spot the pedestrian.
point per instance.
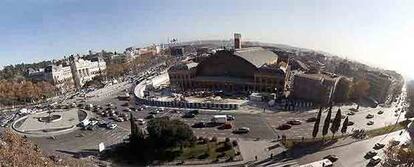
(255, 157)
(271, 155)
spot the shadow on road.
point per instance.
(81, 154)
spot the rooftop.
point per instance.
(256, 55)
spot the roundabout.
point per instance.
(49, 123)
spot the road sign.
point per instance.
(101, 147)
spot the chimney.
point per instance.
(237, 41)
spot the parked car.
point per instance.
(93, 122)
(311, 119)
(119, 119)
(141, 121)
(331, 158)
(294, 122)
(370, 154)
(350, 123)
(230, 118)
(406, 145)
(111, 126)
(150, 116)
(370, 123)
(369, 116)
(199, 125)
(380, 112)
(195, 112)
(284, 127)
(378, 146)
(188, 115)
(242, 130)
(155, 112)
(351, 113)
(374, 160)
(91, 127)
(394, 142)
(225, 126)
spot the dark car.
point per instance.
(230, 118)
(188, 115)
(225, 126)
(150, 116)
(311, 119)
(284, 127)
(331, 158)
(199, 125)
(91, 127)
(242, 130)
(195, 112)
(294, 122)
(370, 154)
(379, 146)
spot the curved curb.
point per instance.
(59, 132)
(139, 92)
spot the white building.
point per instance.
(60, 76)
(85, 70)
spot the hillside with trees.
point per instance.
(17, 151)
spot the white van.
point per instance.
(85, 122)
(219, 119)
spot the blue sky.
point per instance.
(377, 32)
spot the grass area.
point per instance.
(292, 143)
(388, 129)
(210, 150)
(201, 152)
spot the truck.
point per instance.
(85, 123)
(221, 119)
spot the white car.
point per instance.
(111, 126)
(375, 160)
(141, 121)
(93, 122)
(119, 119)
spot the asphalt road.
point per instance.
(352, 153)
(276, 119)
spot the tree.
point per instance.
(316, 125)
(345, 125)
(336, 123)
(343, 90)
(359, 89)
(165, 133)
(137, 136)
(398, 156)
(326, 123)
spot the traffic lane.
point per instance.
(352, 154)
(81, 140)
(305, 129)
(256, 123)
